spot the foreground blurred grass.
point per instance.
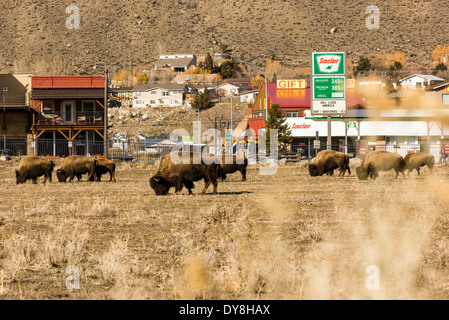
(287, 236)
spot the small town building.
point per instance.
(155, 95)
(419, 81)
(68, 115)
(176, 62)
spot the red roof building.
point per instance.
(71, 109)
(295, 100)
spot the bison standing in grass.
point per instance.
(238, 164)
(376, 161)
(179, 175)
(31, 168)
(76, 166)
(327, 161)
(417, 160)
(104, 166)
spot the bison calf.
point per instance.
(376, 161)
(238, 164)
(31, 168)
(417, 160)
(327, 161)
(104, 166)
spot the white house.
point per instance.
(227, 89)
(249, 96)
(153, 95)
(177, 62)
(419, 81)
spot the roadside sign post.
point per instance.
(328, 87)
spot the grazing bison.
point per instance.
(76, 166)
(327, 161)
(238, 164)
(31, 168)
(376, 161)
(104, 166)
(417, 160)
(179, 175)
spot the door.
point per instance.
(67, 112)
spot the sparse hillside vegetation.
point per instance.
(114, 33)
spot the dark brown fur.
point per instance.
(227, 168)
(104, 166)
(76, 166)
(376, 161)
(179, 175)
(416, 160)
(327, 161)
(32, 167)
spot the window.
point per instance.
(165, 93)
(89, 108)
(140, 102)
(153, 92)
(152, 102)
(137, 94)
(292, 114)
(445, 98)
(48, 106)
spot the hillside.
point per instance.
(115, 33)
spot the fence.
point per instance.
(154, 150)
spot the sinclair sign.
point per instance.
(328, 89)
(326, 64)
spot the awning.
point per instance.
(256, 124)
(67, 94)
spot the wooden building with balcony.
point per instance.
(68, 115)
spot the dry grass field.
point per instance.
(287, 236)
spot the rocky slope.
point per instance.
(34, 36)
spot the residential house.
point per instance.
(439, 94)
(184, 78)
(68, 115)
(248, 96)
(177, 62)
(153, 95)
(419, 81)
(15, 116)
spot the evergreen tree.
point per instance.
(208, 62)
(363, 66)
(229, 69)
(277, 120)
(202, 101)
(395, 68)
(439, 67)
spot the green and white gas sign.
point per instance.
(328, 83)
(328, 63)
(329, 88)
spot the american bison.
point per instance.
(327, 161)
(179, 175)
(376, 161)
(417, 160)
(238, 164)
(32, 167)
(76, 166)
(104, 166)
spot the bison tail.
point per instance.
(219, 170)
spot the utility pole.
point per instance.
(106, 114)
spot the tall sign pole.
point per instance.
(328, 87)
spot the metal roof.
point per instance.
(300, 98)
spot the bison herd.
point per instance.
(327, 161)
(32, 167)
(190, 169)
